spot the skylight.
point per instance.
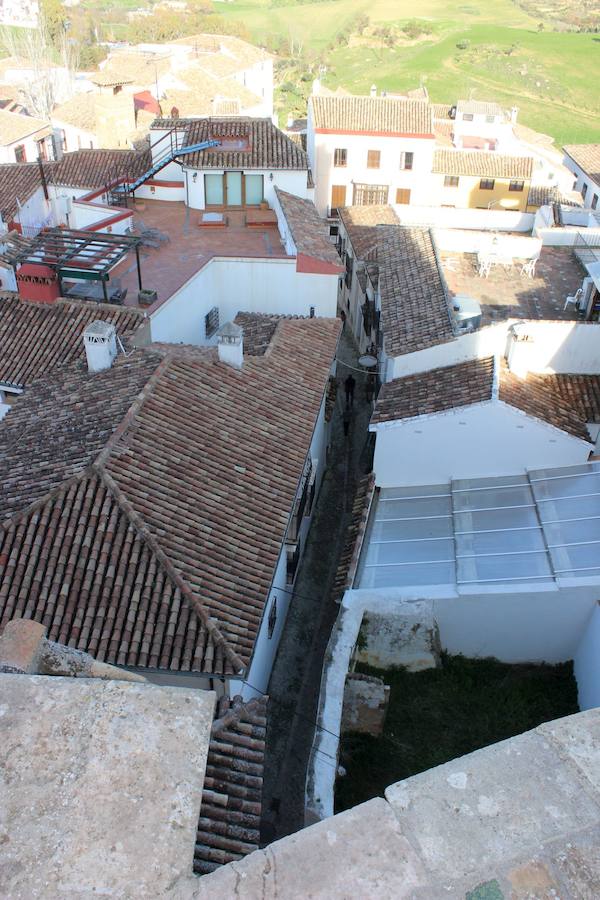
(528, 528)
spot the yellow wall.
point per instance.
(468, 194)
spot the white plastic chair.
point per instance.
(574, 299)
(528, 268)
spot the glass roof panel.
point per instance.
(415, 529)
(482, 542)
(414, 509)
(496, 519)
(407, 576)
(514, 567)
(491, 499)
(409, 552)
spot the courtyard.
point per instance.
(439, 714)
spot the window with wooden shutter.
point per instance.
(373, 159)
(403, 196)
(340, 157)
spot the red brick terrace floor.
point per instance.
(168, 267)
(508, 294)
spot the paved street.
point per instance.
(296, 675)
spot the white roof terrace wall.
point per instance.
(477, 441)
(553, 346)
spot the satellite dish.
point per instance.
(367, 361)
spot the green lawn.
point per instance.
(552, 77)
(440, 714)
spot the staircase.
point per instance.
(171, 153)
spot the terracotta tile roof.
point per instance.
(478, 108)
(59, 425)
(220, 498)
(441, 110)
(94, 168)
(35, 338)
(361, 224)
(587, 157)
(203, 459)
(565, 401)
(268, 147)
(435, 391)
(79, 111)
(481, 164)
(76, 563)
(204, 89)
(132, 67)
(230, 814)
(381, 115)
(347, 566)
(307, 228)
(258, 331)
(414, 306)
(18, 181)
(16, 126)
(443, 133)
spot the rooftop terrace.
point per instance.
(506, 294)
(167, 264)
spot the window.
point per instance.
(467, 117)
(487, 184)
(406, 160)
(272, 618)
(211, 321)
(338, 197)
(373, 159)
(41, 150)
(340, 157)
(451, 181)
(293, 557)
(348, 277)
(254, 189)
(594, 201)
(490, 119)
(403, 196)
(20, 156)
(370, 194)
(583, 189)
(516, 186)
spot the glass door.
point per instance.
(233, 188)
(213, 190)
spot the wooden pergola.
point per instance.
(80, 255)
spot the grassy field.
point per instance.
(552, 77)
(440, 714)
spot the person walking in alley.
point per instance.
(349, 384)
(346, 421)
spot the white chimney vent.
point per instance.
(230, 344)
(514, 112)
(373, 90)
(100, 340)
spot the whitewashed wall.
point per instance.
(581, 179)
(544, 625)
(568, 347)
(234, 284)
(35, 211)
(587, 663)
(484, 439)
(458, 240)
(321, 149)
(292, 181)
(477, 219)
(261, 665)
(75, 138)
(7, 151)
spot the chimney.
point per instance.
(100, 342)
(316, 86)
(373, 90)
(230, 345)
(514, 112)
(521, 349)
(290, 120)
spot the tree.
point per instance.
(53, 19)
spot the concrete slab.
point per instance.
(102, 782)
(359, 853)
(482, 810)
